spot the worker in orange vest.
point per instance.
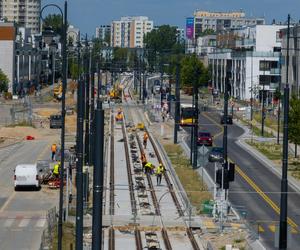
(53, 151)
(145, 138)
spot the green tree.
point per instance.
(193, 71)
(3, 82)
(53, 21)
(294, 121)
(160, 44)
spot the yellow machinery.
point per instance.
(116, 94)
(140, 126)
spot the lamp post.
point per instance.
(53, 53)
(284, 180)
(63, 104)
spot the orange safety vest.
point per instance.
(53, 148)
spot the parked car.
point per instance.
(216, 155)
(229, 119)
(27, 175)
(205, 138)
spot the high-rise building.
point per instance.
(129, 31)
(103, 32)
(24, 12)
(218, 21)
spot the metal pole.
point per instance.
(177, 104)
(225, 115)
(98, 181)
(62, 137)
(192, 136)
(92, 107)
(53, 67)
(263, 105)
(140, 77)
(79, 167)
(279, 111)
(284, 180)
(196, 126)
(87, 105)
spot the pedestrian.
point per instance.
(145, 139)
(53, 151)
(56, 170)
(159, 172)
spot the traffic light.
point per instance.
(231, 171)
(219, 177)
(225, 177)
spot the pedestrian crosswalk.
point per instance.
(23, 223)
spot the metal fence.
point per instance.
(49, 231)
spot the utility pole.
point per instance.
(177, 103)
(140, 76)
(227, 80)
(192, 133)
(278, 113)
(62, 136)
(196, 126)
(263, 104)
(92, 107)
(98, 180)
(87, 104)
(284, 180)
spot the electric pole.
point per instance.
(284, 180)
(177, 103)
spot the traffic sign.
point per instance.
(203, 150)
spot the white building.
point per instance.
(250, 57)
(25, 12)
(129, 31)
(103, 31)
(72, 33)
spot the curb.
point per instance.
(268, 163)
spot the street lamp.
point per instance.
(53, 47)
(63, 104)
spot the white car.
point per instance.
(27, 175)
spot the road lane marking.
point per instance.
(253, 185)
(24, 223)
(9, 222)
(7, 201)
(40, 223)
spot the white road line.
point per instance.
(40, 223)
(24, 223)
(9, 222)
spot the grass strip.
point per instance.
(68, 237)
(196, 190)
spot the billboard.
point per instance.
(190, 28)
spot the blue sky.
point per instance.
(87, 14)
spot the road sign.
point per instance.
(203, 150)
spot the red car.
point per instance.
(205, 138)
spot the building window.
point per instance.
(264, 65)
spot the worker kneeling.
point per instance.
(159, 172)
(56, 169)
(149, 168)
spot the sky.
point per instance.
(88, 14)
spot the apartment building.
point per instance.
(102, 32)
(294, 58)
(129, 31)
(24, 12)
(218, 21)
(251, 58)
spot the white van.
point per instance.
(27, 175)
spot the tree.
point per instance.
(53, 21)
(294, 121)
(3, 82)
(193, 71)
(160, 44)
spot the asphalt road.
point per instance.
(256, 189)
(23, 213)
(253, 176)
